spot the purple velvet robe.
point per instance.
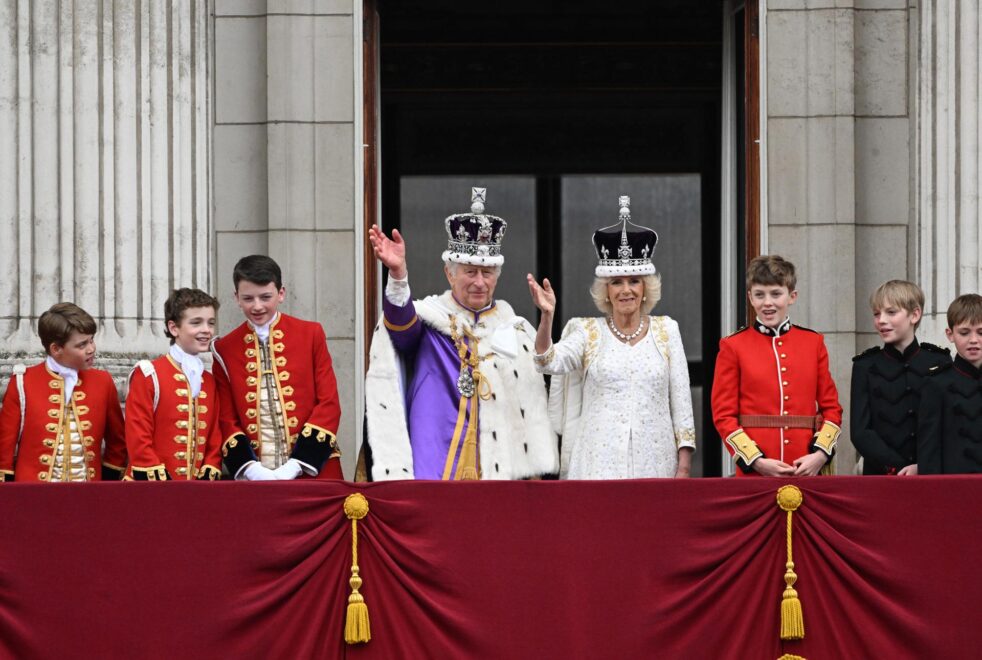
(432, 399)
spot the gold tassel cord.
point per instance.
(789, 498)
(357, 628)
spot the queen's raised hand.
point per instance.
(543, 296)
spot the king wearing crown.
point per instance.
(451, 391)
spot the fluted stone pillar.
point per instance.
(104, 167)
(948, 241)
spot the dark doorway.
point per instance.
(558, 109)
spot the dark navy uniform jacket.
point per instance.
(886, 392)
(949, 425)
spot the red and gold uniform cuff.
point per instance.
(152, 473)
(826, 438)
(112, 472)
(315, 446)
(743, 447)
(236, 452)
(209, 473)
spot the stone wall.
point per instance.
(839, 189)
(287, 168)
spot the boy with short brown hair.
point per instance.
(887, 382)
(770, 379)
(949, 435)
(172, 428)
(61, 417)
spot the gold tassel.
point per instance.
(357, 628)
(789, 498)
(467, 468)
(790, 656)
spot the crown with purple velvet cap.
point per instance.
(475, 238)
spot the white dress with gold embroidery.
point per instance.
(635, 408)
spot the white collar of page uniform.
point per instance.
(262, 331)
(191, 365)
(69, 375)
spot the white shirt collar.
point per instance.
(191, 365)
(69, 375)
(262, 331)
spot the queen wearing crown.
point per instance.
(451, 391)
(620, 390)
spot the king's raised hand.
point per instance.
(391, 252)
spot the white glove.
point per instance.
(289, 470)
(255, 471)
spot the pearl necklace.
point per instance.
(620, 335)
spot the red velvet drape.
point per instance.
(636, 569)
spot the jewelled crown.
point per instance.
(475, 238)
(624, 248)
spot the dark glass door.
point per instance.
(558, 110)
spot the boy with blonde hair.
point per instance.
(887, 382)
(771, 379)
(949, 432)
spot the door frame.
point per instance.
(754, 211)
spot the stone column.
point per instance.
(838, 147)
(104, 167)
(288, 166)
(947, 243)
(811, 195)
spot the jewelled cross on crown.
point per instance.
(478, 199)
(624, 251)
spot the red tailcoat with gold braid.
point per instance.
(307, 388)
(94, 407)
(182, 438)
(782, 372)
